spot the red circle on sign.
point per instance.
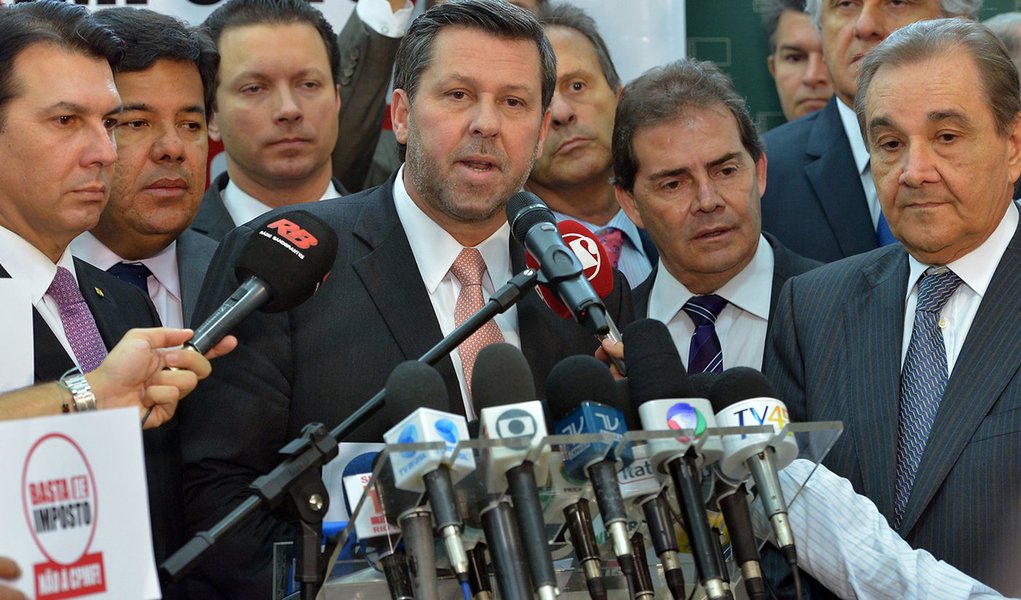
(93, 493)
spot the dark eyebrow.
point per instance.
(143, 107)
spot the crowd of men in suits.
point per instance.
(907, 174)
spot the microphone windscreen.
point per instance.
(501, 376)
(576, 379)
(737, 384)
(654, 369)
(292, 254)
(524, 211)
(702, 383)
(413, 385)
(594, 261)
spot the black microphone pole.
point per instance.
(297, 480)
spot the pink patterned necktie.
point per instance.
(468, 267)
(79, 325)
(613, 240)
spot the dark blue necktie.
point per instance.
(922, 382)
(136, 274)
(705, 354)
(883, 234)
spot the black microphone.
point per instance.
(744, 397)
(534, 227)
(501, 384)
(280, 266)
(658, 383)
(581, 394)
(418, 389)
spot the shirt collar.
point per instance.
(244, 207)
(435, 249)
(163, 265)
(975, 268)
(744, 290)
(32, 268)
(619, 220)
(853, 131)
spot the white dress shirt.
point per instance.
(846, 544)
(741, 325)
(861, 159)
(634, 264)
(244, 207)
(34, 270)
(164, 285)
(435, 251)
(380, 17)
(976, 271)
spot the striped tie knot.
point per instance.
(704, 310)
(935, 289)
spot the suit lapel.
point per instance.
(835, 181)
(194, 251)
(874, 323)
(51, 360)
(392, 280)
(988, 361)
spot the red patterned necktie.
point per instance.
(613, 240)
(468, 267)
(79, 325)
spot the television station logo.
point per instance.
(683, 416)
(61, 509)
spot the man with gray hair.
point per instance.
(820, 200)
(917, 347)
(1007, 27)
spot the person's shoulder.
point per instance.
(835, 278)
(791, 137)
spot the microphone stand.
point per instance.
(295, 487)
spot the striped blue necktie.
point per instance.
(922, 382)
(705, 354)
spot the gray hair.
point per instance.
(951, 8)
(572, 17)
(1007, 27)
(662, 94)
(946, 37)
(771, 17)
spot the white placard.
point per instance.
(74, 506)
(17, 351)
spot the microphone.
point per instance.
(534, 227)
(581, 392)
(282, 265)
(414, 384)
(500, 380)
(659, 385)
(743, 397)
(597, 269)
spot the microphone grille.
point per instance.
(576, 379)
(524, 211)
(737, 384)
(654, 368)
(414, 385)
(501, 375)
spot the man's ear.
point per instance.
(213, 128)
(626, 200)
(400, 112)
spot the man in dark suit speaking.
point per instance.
(473, 83)
(916, 348)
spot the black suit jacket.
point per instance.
(814, 201)
(213, 220)
(117, 307)
(319, 362)
(194, 251)
(837, 356)
(786, 264)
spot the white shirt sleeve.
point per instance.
(380, 18)
(846, 544)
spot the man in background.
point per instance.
(573, 174)
(795, 59)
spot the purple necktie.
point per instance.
(79, 326)
(705, 354)
(613, 241)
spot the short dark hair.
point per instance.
(150, 36)
(495, 17)
(572, 17)
(240, 13)
(662, 94)
(66, 26)
(771, 17)
(923, 40)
